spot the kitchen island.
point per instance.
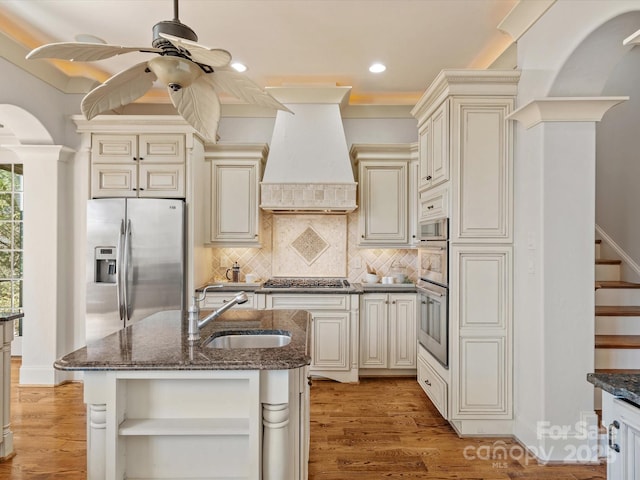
(160, 406)
(621, 417)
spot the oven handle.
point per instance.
(427, 291)
(425, 243)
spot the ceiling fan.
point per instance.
(192, 73)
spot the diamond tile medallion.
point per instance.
(309, 245)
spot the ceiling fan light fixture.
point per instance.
(174, 72)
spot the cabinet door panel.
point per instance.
(330, 341)
(114, 148)
(162, 148)
(373, 331)
(113, 181)
(384, 200)
(166, 181)
(402, 331)
(484, 173)
(440, 145)
(234, 215)
(424, 154)
(482, 377)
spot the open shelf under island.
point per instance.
(160, 406)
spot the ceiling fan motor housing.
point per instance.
(175, 28)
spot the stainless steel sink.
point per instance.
(249, 340)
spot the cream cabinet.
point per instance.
(482, 203)
(481, 324)
(388, 331)
(236, 172)
(433, 383)
(149, 165)
(334, 333)
(433, 148)
(384, 180)
(466, 175)
(622, 420)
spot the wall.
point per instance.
(553, 330)
(617, 166)
(259, 261)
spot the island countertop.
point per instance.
(160, 342)
(620, 385)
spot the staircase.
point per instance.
(617, 322)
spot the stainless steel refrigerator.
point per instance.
(135, 261)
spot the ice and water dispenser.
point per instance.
(105, 258)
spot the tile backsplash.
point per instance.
(261, 260)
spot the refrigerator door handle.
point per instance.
(126, 262)
(119, 264)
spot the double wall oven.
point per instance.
(433, 288)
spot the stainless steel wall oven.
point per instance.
(433, 289)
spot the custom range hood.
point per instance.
(309, 169)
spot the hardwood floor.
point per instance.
(377, 429)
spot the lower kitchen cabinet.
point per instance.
(434, 384)
(334, 333)
(481, 318)
(622, 420)
(388, 331)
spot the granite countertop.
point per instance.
(356, 288)
(9, 316)
(160, 342)
(620, 385)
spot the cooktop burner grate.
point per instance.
(282, 282)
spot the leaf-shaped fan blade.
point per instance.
(244, 88)
(199, 105)
(214, 57)
(121, 89)
(83, 52)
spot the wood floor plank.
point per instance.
(379, 429)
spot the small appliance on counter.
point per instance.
(235, 273)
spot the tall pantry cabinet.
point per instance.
(466, 174)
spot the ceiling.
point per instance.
(287, 41)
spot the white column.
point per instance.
(47, 261)
(554, 276)
(275, 443)
(96, 441)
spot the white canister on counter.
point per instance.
(251, 278)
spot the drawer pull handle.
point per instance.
(613, 446)
(428, 383)
(428, 177)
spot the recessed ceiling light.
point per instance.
(377, 68)
(239, 67)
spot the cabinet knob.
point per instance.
(140, 158)
(141, 189)
(134, 189)
(135, 159)
(394, 302)
(361, 236)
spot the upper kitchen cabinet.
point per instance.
(236, 172)
(466, 143)
(433, 148)
(146, 165)
(385, 180)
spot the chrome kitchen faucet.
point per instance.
(194, 311)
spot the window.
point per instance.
(11, 249)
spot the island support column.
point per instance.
(275, 447)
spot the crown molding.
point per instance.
(523, 16)
(466, 82)
(564, 109)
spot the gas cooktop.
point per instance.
(297, 282)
